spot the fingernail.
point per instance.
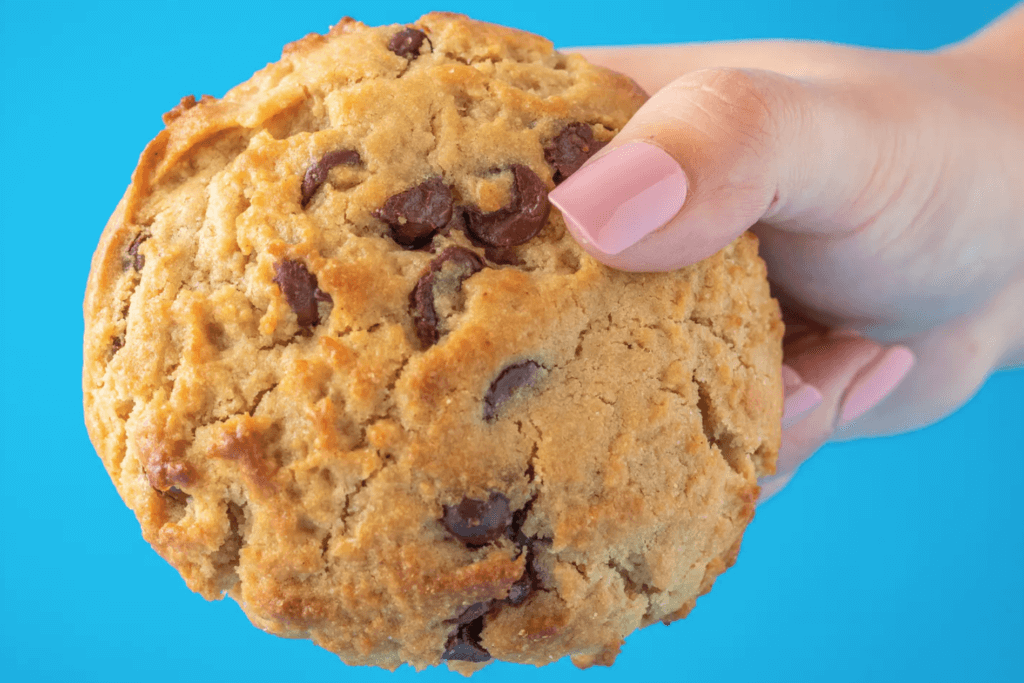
(799, 403)
(791, 380)
(617, 199)
(879, 381)
(772, 485)
(801, 398)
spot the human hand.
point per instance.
(887, 191)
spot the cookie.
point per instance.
(347, 366)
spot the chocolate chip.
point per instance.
(416, 214)
(472, 613)
(407, 43)
(511, 378)
(540, 577)
(533, 576)
(515, 529)
(421, 301)
(316, 174)
(464, 644)
(570, 149)
(300, 290)
(518, 222)
(116, 345)
(477, 522)
(458, 256)
(521, 589)
(502, 255)
(530, 580)
(457, 222)
(137, 260)
(424, 315)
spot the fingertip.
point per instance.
(621, 196)
(875, 383)
(683, 179)
(800, 397)
(828, 363)
(628, 208)
(799, 404)
(770, 486)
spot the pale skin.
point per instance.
(887, 189)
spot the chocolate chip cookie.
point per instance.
(347, 366)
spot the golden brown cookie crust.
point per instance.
(304, 468)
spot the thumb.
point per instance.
(714, 152)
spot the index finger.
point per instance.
(655, 66)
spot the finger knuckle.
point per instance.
(745, 104)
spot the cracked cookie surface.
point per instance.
(347, 366)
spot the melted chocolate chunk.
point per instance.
(424, 315)
(407, 43)
(540, 576)
(502, 256)
(416, 214)
(472, 613)
(457, 222)
(511, 378)
(316, 174)
(530, 580)
(477, 522)
(518, 222)
(515, 530)
(521, 589)
(464, 643)
(421, 301)
(533, 578)
(570, 149)
(300, 290)
(136, 259)
(458, 256)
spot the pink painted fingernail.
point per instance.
(617, 199)
(801, 398)
(791, 380)
(799, 403)
(877, 383)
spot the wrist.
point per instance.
(999, 40)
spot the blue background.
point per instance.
(895, 559)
